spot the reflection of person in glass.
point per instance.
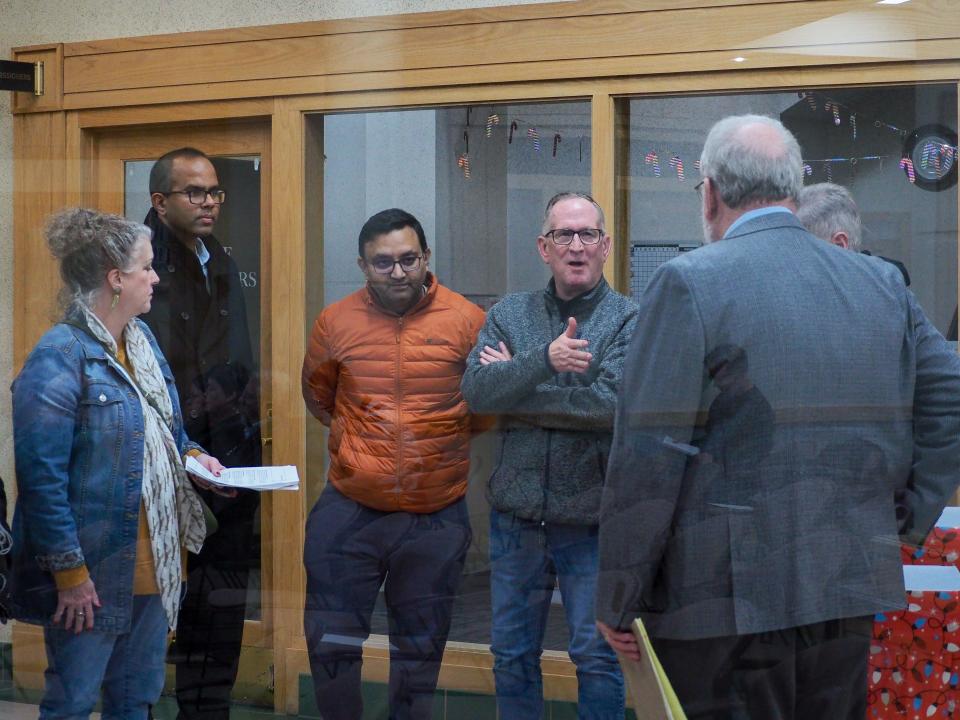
(739, 423)
(105, 509)
(549, 363)
(200, 321)
(762, 605)
(382, 371)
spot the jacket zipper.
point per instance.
(546, 487)
(546, 477)
(399, 401)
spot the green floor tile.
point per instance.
(470, 706)
(558, 710)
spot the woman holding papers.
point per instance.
(104, 508)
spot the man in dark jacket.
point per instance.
(549, 363)
(200, 321)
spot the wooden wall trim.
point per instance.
(598, 39)
(443, 18)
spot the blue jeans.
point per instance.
(128, 666)
(526, 560)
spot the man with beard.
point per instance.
(200, 321)
(382, 371)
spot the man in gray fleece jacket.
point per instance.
(549, 363)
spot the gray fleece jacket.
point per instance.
(555, 428)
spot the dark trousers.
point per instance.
(802, 673)
(209, 637)
(349, 552)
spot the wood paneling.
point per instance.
(630, 41)
(719, 63)
(39, 190)
(52, 99)
(448, 18)
(288, 291)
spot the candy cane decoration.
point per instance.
(653, 159)
(513, 126)
(535, 136)
(836, 114)
(853, 124)
(491, 121)
(948, 151)
(556, 141)
(810, 101)
(906, 164)
(925, 155)
(807, 170)
(677, 164)
(829, 169)
(464, 162)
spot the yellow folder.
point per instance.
(653, 695)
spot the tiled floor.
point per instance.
(23, 711)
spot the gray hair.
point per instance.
(88, 244)
(825, 209)
(745, 168)
(570, 195)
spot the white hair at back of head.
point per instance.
(826, 209)
(746, 169)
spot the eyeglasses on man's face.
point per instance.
(198, 196)
(699, 188)
(564, 236)
(384, 265)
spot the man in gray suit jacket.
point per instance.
(757, 579)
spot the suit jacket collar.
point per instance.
(772, 221)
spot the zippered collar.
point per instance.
(583, 303)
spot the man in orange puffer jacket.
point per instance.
(382, 371)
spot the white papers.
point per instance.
(937, 578)
(949, 518)
(277, 477)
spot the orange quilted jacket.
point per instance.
(388, 387)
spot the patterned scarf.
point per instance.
(174, 512)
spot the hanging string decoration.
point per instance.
(535, 136)
(811, 101)
(835, 109)
(906, 164)
(829, 168)
(556, 142)
(925, 156)
(491, 121)
(653, 159)
(853, 125)
(463, 159)
(807, 170)
(677, 164)
(513, 127)
(696, 164)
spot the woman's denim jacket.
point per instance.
(78, 440)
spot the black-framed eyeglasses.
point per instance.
(198, 196)
(385, 265)
(699, 188)
(564, 236)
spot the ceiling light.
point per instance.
(739, 59)
(892, 2)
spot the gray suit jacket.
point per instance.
(833, 411)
